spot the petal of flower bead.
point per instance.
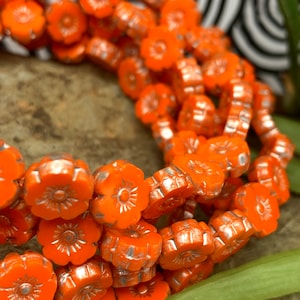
(104, 53)
(231, 231)
(231, 153)
(155, 100)
(281, 148)
(133, 76)
(160, 49)
(205, 42)
(185, 243)
(86, 281)
(168, 189)
(207, 176)
(197, 114)
(138, 246)
(12, 168)
(27, 276)
(156, 288)
(23, 20)
(110, 294)
(121, 194)
(17, 224)
(182, 278)
(267, 171)
(58, 187)
(123, 277)
(66, 21)
(67, 241)
(187, 78)
(260, 207)
(100, 8)
(263, 97)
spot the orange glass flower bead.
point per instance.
(160, 49)
(182, 278)
(231, 231)
(156, 289)
(169, 188)
(221, 68)
(17, 224)
(163, 130)
(104, 53)
(263, 97)
(100, 8)
(207, 176)
(205, 42)
(231, 153)
(155, 101)
(66, 22)
(58, 187)
(133, 76)
(123, 277)
(12, 168)
(281, 148)
(197, 114)
(260, 207)
(133, 20)
(70, 54)
(186, 78)
(121, 194)
(24, 20)
(184, 212)
(110, 294)
(185, 243)
(27, 276)
(138, 246)
(128, 46)
(90, 280)
(267, 171)
(67, 241)
(180, 16)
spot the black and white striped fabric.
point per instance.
(255, 26)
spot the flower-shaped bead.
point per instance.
(66, 241)
(87, 281)
(133, 248)
(99, 9)
(17, 224)
(27, 276)
(58, 187)
(121, 194)
(185, 243)
(12, 168)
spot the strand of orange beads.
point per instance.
(97, 230)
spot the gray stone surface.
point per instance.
(47, 107)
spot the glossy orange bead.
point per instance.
(267, 170)
(155, 101)
(12, 169)
(121, 194)
(27, 276)
(263, 97)
(260, 207)
(100, 8)
(133, 76)
(205, 42)
(231, 153)
(17, 224)
(89, 280)
(66, 21)
(182, 278)
(24, 20)
(197, 114)
(184, 212)
(187, 78)
(156, 288)
(103, 53)
(66, 241)
(231, 231)
(58, 187)
(185, 243)
(160, 49)
(136, 247)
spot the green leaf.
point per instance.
(293, 171)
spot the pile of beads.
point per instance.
(98, 229)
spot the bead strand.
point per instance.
(101, 232)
